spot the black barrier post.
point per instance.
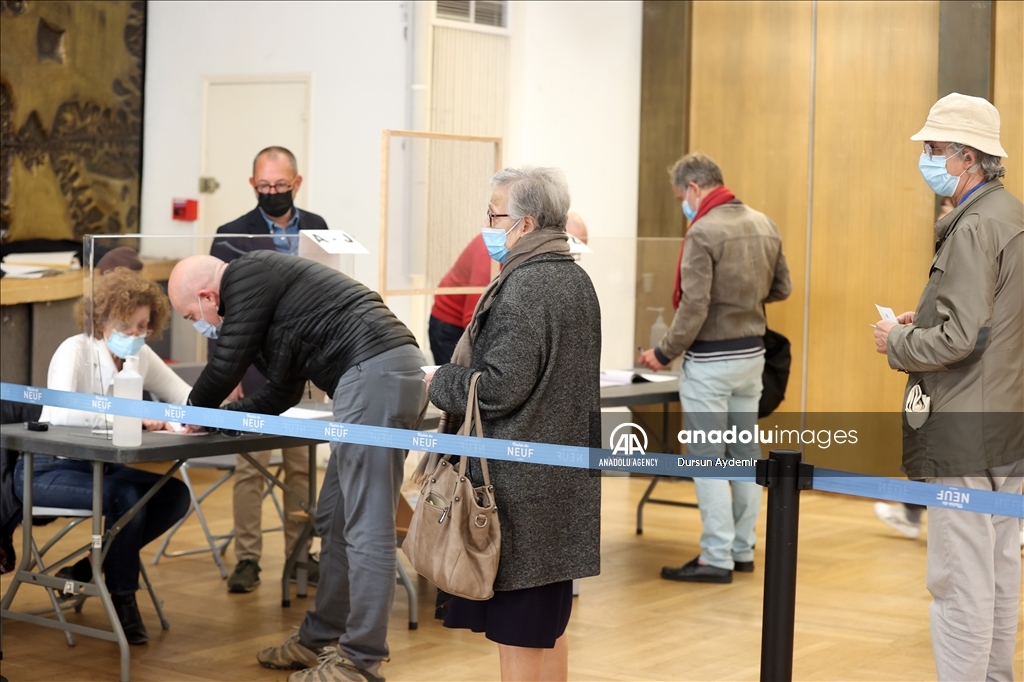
(784, 476)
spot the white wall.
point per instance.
(356, 53)
(575, 104)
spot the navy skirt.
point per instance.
(533, 618)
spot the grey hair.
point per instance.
(991, 166)
(697, 168)
(274, 152)
(540, 192)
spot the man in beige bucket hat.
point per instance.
(964, 351)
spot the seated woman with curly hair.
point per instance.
(126, 309)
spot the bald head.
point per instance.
(195, 279)
(575, 226)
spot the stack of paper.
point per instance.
(33, 265)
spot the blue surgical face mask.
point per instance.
(123, 345)
(934, 172)
(494, 240)
(687, 211)
(208, 330)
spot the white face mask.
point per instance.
(208, 330)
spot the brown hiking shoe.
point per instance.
(291, 655)
(336, 667)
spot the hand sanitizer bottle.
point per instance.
(128, 384)
(658, 329)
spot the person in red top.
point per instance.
(452, 312)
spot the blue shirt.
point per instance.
(286, 239)
(969, 193)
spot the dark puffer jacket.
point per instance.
(296, 320)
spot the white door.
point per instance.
(241, 116)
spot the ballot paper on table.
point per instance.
(306, 413)
(618, 377)
(887, 314)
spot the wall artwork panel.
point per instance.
(71, 79)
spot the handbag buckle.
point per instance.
(477, 522)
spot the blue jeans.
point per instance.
(68, 483)
(717, 396)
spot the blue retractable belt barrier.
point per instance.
(966, 499)
(916, 492)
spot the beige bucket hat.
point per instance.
(972, 121)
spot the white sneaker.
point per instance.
(895, 516)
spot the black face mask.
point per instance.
(275, 205)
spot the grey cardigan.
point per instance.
(539, 349)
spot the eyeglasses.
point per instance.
(933, 151)
(279, 188)
(128, 330)
(492, 216)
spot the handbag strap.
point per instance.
(473, 426)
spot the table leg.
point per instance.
(302, 544)
(97, 567)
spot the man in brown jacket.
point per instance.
(964, 351)
(730, 266)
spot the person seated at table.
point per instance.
(126, 310)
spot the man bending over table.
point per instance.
(297, 320)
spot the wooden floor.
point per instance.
(862, 611)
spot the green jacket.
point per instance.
(966, 345)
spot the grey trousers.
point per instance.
(974, 578)
(355, 513)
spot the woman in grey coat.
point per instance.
(536, 339)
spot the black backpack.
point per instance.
(777, 359)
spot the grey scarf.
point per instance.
(533, 244)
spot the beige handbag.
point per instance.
(454, 538)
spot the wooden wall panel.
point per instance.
(750, 111)
(1008, 87)
(664, 93)
(872, 238)
(664, 106)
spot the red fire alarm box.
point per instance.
(185, 209)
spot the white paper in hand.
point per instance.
(887, 314)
